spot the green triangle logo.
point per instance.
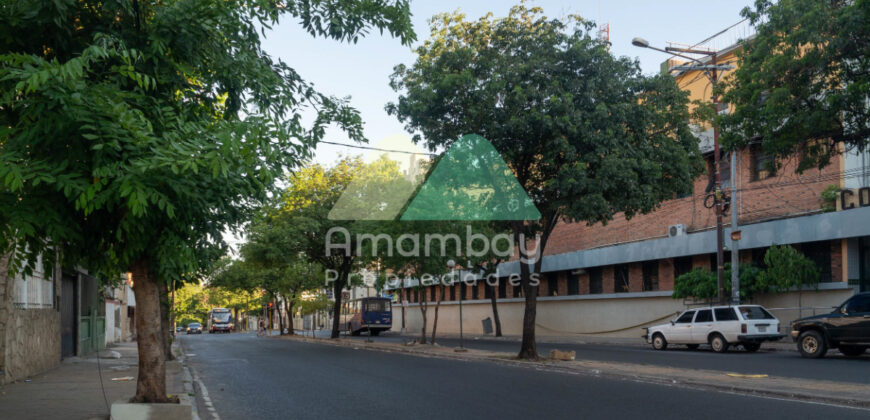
(471, 182)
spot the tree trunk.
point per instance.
(423, 312)
(151, 382)
(280, 316)
(438, 298)
(288, 307)
(528, 347)
(337, 286)
(165, 325)
(495, 318)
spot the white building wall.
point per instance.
(615, 315)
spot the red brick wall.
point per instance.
(666, 274)
(635, 277)
(607, 279)
(584, 283)
(836, 261)
(781, 195)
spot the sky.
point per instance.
(361, 71)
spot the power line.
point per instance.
(357, 146)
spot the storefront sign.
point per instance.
(853, 198)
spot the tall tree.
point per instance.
(802, 82)
(584, 133)
(133, 132)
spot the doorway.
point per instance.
(68, 301)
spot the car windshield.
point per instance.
(755, 312)
(194, 325)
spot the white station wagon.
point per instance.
(718, 326)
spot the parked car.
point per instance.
(846, 329)
(718, 326)
(179, 329)
(194, 328)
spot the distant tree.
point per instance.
(788, 269)
(586, 134)
(312, 193)
(802, 82)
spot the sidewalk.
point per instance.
(821, 391)
(81, 387)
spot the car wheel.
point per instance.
(751, 347)
(812, 345)
(852, 351)
(374, 332)
(718, 343)
(693, 346)
(659, 342)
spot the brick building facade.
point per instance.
(636, 261)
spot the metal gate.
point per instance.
(68, 300)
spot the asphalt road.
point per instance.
(248, 377)
(789, 364)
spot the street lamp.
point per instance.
(452, 266)
(710, 70)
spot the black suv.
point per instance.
(847, 329)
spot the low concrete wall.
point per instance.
(614, 315)
(32, 342)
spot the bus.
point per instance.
(372, 314)
(220, 320)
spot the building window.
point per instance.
(518, 291)
(573, 284)
(820, 254)
(453, 292)
(620, 278)
(474, 292)
(487, 290)
(552, 284)
(596, 281)
(758, 257)
(502, 288)
(762, 164)
(462, 291)
(682, 265)
(650, 276)
(416, 295)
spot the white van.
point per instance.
(718, 326)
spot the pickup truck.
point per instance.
(847, 329)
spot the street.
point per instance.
(786, 363)
(251, 377)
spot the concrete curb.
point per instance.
(848, 394)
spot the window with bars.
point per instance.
(682, 265)
(573, 284)
(620, 278)
(762, 164)
(650, 276)
(596, 281)
(35, 291)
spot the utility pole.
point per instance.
(717, 191)
(711, 71)
(735, 235)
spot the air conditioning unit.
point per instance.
(676, 230)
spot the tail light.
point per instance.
(743, 328)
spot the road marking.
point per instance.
(204, 394)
